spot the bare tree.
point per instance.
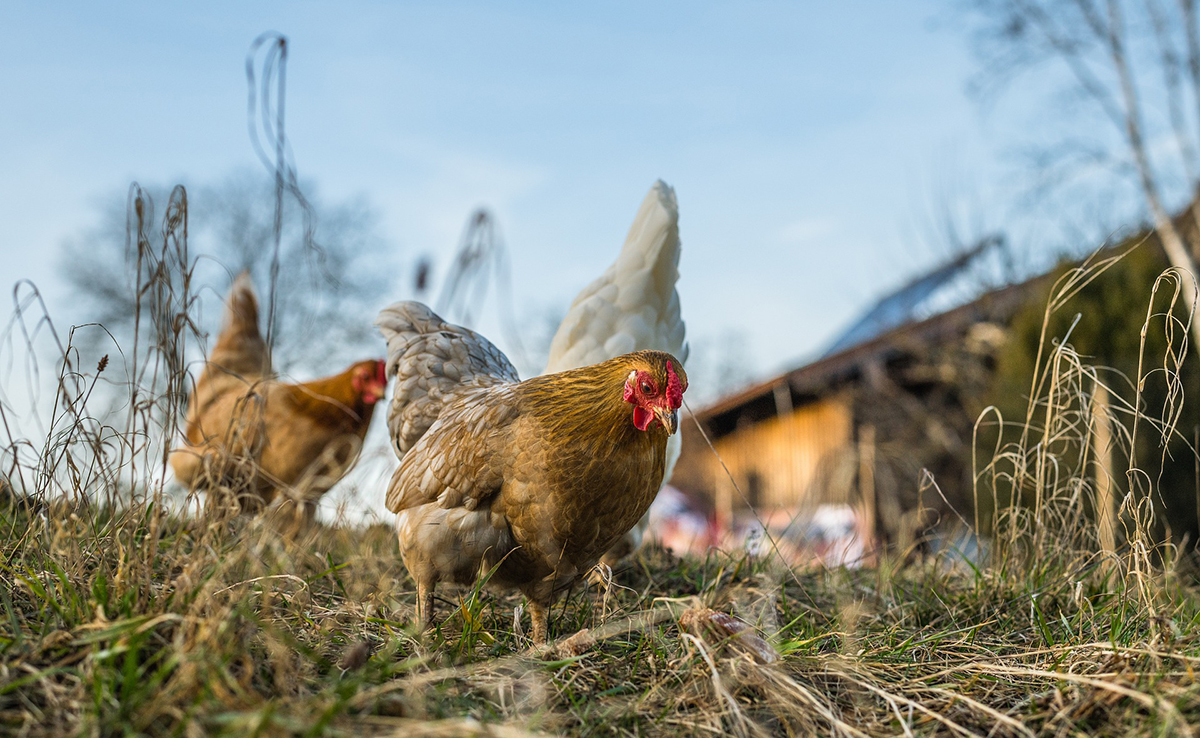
(1135, 64)
(325, 299)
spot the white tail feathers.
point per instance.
(633, 305)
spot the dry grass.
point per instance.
(138, 622)
(120, 616)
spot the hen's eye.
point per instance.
(646, 387)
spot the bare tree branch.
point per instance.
(1191, 30)
(1132, 70)
(1172, 243)
(324, 305)
(1070, 50)
(1173, 81)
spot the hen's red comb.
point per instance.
(381, 372)
(675, 387)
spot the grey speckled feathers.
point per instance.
(431, 359)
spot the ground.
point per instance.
(140, 622)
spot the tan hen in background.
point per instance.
(255, 439)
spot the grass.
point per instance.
(138, 622)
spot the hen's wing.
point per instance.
(633, 305)
(458, 461)
(432, 361)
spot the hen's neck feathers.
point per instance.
(332, 400)
(587, 405)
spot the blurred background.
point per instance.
(874, 202)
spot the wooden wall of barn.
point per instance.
(780, 462)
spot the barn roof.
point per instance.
(848, 363)
(916, 300)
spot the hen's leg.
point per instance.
(539, 613)
(425, 604)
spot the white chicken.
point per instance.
(633, 306)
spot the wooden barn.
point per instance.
(857, 426)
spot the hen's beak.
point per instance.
(669, 419)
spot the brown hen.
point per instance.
(252, 439)
(532, 481)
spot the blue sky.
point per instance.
(807, 142)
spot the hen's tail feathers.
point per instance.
(240, 348)
(633, 305)
(430, 359)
